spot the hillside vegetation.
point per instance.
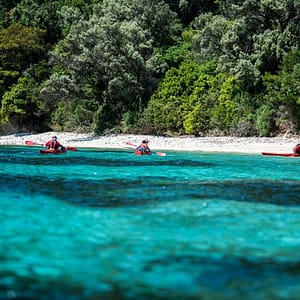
(197, 67)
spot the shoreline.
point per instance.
(250, 145)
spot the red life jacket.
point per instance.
(143, 148)
(52, 144)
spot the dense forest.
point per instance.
(172, 67)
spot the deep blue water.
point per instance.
(108, 224)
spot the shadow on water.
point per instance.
(123, 192)
(33, 158)
(105, 163)
(220, 277)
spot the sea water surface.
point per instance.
(106, 224)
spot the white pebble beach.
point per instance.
(253, 145)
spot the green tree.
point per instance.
(208, 32)
(181, 103)
(187, 10)
(225, 114)
(21, 105)
(110, 57)
(282, 96)
(20, 46)
(5, 8)
(39, 14)
(252, 41)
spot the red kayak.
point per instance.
(280, 154)
(51, 151)
(138, 152)
(48, 151)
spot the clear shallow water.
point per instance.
(110, 225)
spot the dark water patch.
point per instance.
(40, 288)
(220, 277)
(279, 192)
(232, 276)
(100, 193)
(120, 192)
(71, 161)
(114, 192)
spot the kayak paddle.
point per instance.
(31, 143)
(157, 153)
(71, 148)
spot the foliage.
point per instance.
(40, 14)
(173, 66)
(187, 10)
(194, 100)
(20, 46)
(21, 105)
(5, 8)
(250, 38)
(18, 105)
(283, 93)
(175, 106)
(225, 113)
(110, 57)
(264, 119)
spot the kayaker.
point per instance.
(143, 147)
(54, 144)
(296, 149)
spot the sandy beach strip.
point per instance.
(254, 145)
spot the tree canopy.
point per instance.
(162, 67)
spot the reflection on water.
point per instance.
(110, 225)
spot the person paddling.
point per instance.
(54, 145)
(143, 147)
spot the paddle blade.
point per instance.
(130, 144)
(71, 148)
(161, 153)
(31, 143)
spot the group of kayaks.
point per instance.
(53, 151)
(65, 149)
(138, 152)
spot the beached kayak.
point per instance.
(281, 154)
(138, 152)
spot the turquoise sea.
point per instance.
(106, 224)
